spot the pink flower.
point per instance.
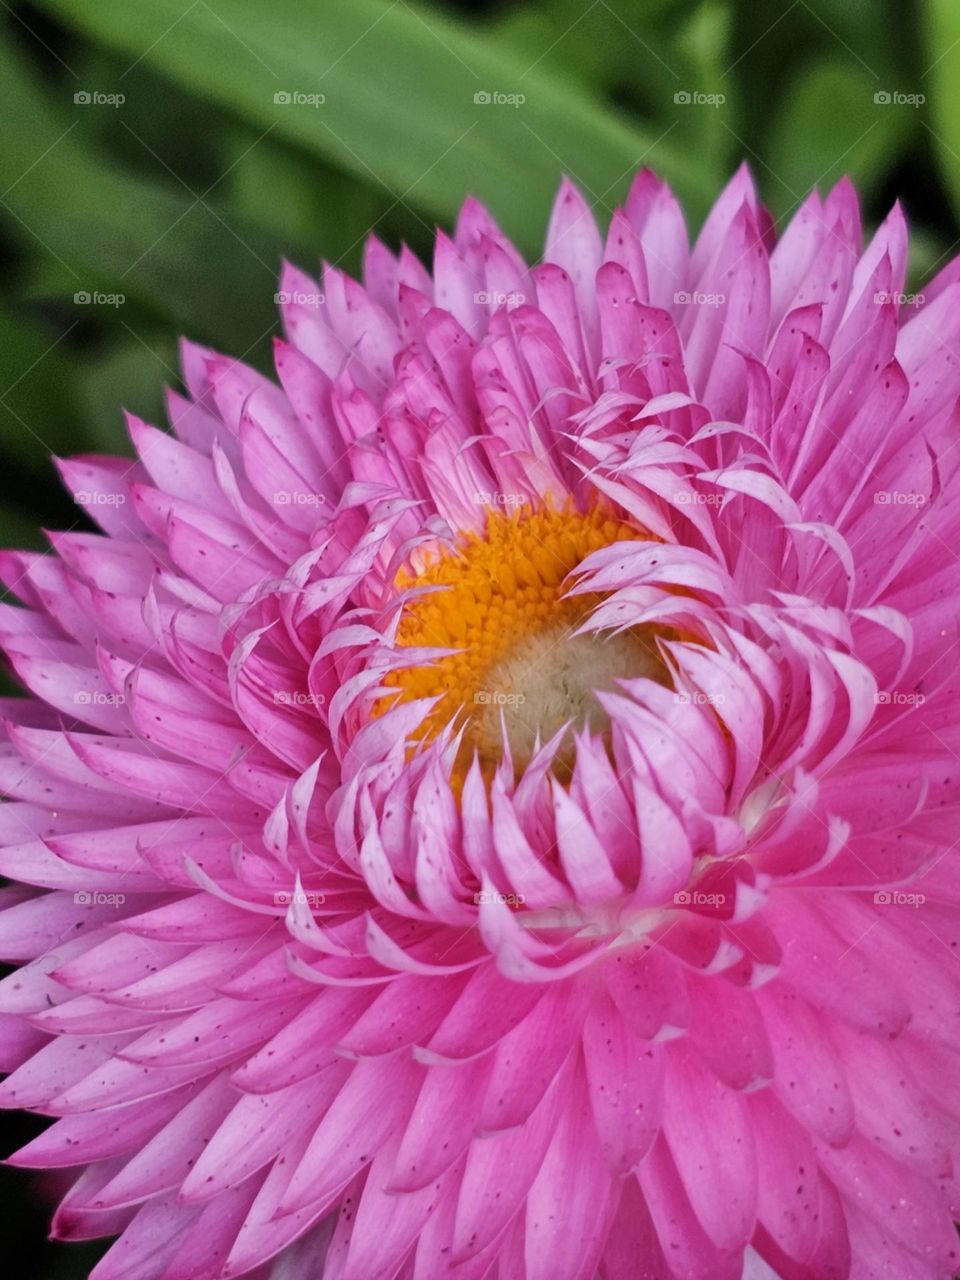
(487, 809)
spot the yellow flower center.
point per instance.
(500, 599)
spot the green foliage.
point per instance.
(249, 132)
(942, 52)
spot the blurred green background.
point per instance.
(159, 158)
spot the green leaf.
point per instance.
(34, 379)
(622, 43)
(710, 126)
(111, 231)
(878, 35)
(20, 530)
(399, 85)
(308, 204)
(131, 376)
(927, 255)
(943, 77)
(829, 124)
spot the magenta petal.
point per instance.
(625, 1085)
(707, 1128)
(573, 1154)
(484, 805)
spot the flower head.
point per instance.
(487, 804)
